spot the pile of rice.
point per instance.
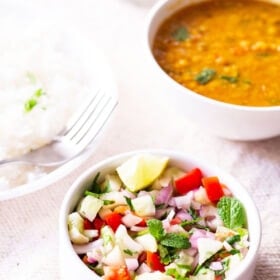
(38, 65)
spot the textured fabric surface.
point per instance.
(143, 119)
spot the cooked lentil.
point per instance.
(226, 50)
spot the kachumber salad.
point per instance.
(226, 50)
(151, 220)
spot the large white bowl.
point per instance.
(226, 120)
(72, 268)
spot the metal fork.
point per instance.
(78, 134)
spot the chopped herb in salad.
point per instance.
(151, 220)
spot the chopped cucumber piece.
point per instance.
(148, 242)
(207, 248)
(89, 207)
(144, 206)
(76, 228)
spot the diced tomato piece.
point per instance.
(85, 259)
(175, 221)
(153, 261)
(113, 220)
(98, 223)
(191, 181)
(218, 277)
(116, 273)
(142, 257)
(88, 224)
(142, 223)
(213, 188)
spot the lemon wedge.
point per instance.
(141, 170)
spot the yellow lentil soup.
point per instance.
(228, 50)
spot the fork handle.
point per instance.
(6, 161)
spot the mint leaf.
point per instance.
(155, 228)
(231, 212)
(167, 254)
(176, 240)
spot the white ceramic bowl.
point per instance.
(72, 268)
(101, 77)
(226, 120)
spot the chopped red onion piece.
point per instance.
(164, 195)
(128, 194)
(200, 233)
(130, 220)
(183, 201)
(184, 216)
(208, 210)
(216, 266)
(191, 251)
(143, 268)
(83, 249)
(136, 228)
(131, 263)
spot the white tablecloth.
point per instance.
(143, 119)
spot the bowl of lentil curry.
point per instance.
(220, 60)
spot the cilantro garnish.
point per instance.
(231, 240)
(128, 252)
(191, 222)
(30, 104)
(129, 203)
(108, 202)
(230, 79)
(95, 187)
(193, 213)
(234, 251)
(231, 212)
(181, 34)
(205, 76)
(33, 100)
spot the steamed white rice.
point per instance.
(41, 61)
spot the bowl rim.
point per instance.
(152, 15)
(184, 159)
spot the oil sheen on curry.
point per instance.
(228, 50)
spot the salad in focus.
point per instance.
(151, 220)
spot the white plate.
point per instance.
(102, 78)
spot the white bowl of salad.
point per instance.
(161, 215)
